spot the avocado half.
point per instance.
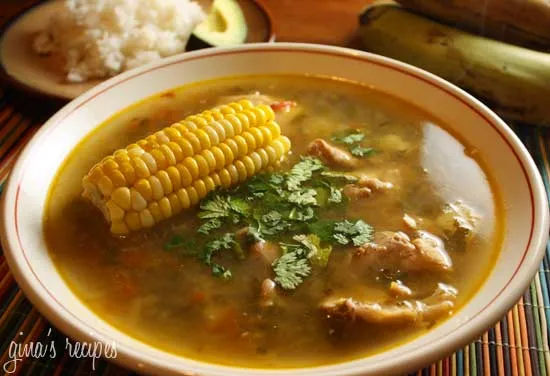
(225, 25)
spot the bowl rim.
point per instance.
(493, 311)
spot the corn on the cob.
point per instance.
(171, 170)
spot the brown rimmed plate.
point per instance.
(44, 75)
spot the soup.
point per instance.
(364, 235)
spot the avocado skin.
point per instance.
(195, 43)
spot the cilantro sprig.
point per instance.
(282, 207)
(353, 140)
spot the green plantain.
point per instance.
(524, 22)
(514, 81)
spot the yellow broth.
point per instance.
(173, 302)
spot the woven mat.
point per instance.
(517, 345)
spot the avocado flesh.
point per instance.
(225, 25)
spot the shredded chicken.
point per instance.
(331, 155)
(458, 222)
(365, 187)
(395, 250)
(440, 303)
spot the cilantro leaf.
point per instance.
(360, 151)
(209, 225)
(358, 232)
(220, 271)
(239, 206)
(317, 255)
(273, 223)
(290, 270)
(301, 214)
(324, 229)
(215, 207)
(225, 242)
(302, 171)
(303, 197)
(350, 139)
(335, 196)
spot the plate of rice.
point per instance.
(62, 48)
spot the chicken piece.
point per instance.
(439, 304)
(458, 222)
(395, 251)
(398, 289)
(268, 293)
(365, 187)
(332, 155)
(266, 251)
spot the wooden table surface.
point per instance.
(314, 21)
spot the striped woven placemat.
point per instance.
(517, 345)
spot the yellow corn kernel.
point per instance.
(119, 227)
(212, 135)
(209, 183)
(258, 136)
(122, 197)
(156, 187)
(192, 166)
(193, 195)
(209, 158)
(144, 188)
(156, 212)
(250, 140)
(203, 139)
(185, 146)
(128, 171)
(140, 168)
(146, 218)
(225, 178)
(183, 196)
(185, 175)
(243, 119)
(202, 165)
(115, 212)
(159, 158)
(219, 157)
(200, 188)
(175, 203)
(169, 154)
(138, 201)
(165, 181)
(165, 207)
(105, 186)
(132, 220)
(216, 180)
(174, 168)
(249, 165)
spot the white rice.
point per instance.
(100, 38)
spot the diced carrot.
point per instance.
(283, 106)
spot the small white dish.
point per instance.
(513, 169)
